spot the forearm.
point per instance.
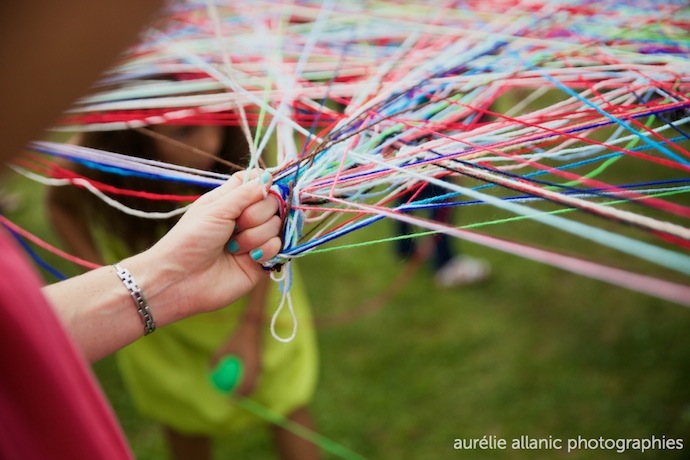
(98, 311)
(256, 305)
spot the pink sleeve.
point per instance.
(50, 403)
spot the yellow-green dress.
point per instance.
(167, 372)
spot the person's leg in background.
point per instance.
(291, 446)
(188, 447)
(452, 268)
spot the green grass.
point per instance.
(535, 351)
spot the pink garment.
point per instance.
(50, 404)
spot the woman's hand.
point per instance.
(214, 251)
(188, 271)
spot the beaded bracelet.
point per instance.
(138, 297)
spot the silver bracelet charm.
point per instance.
(138, 297)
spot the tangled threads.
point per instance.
(356, 106)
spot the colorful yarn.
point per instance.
(582, 105)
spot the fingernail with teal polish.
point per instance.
(265, 177)
(227, 375)
(256, 254)
(233, 246)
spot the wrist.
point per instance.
(138, 298)
(158, 281)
